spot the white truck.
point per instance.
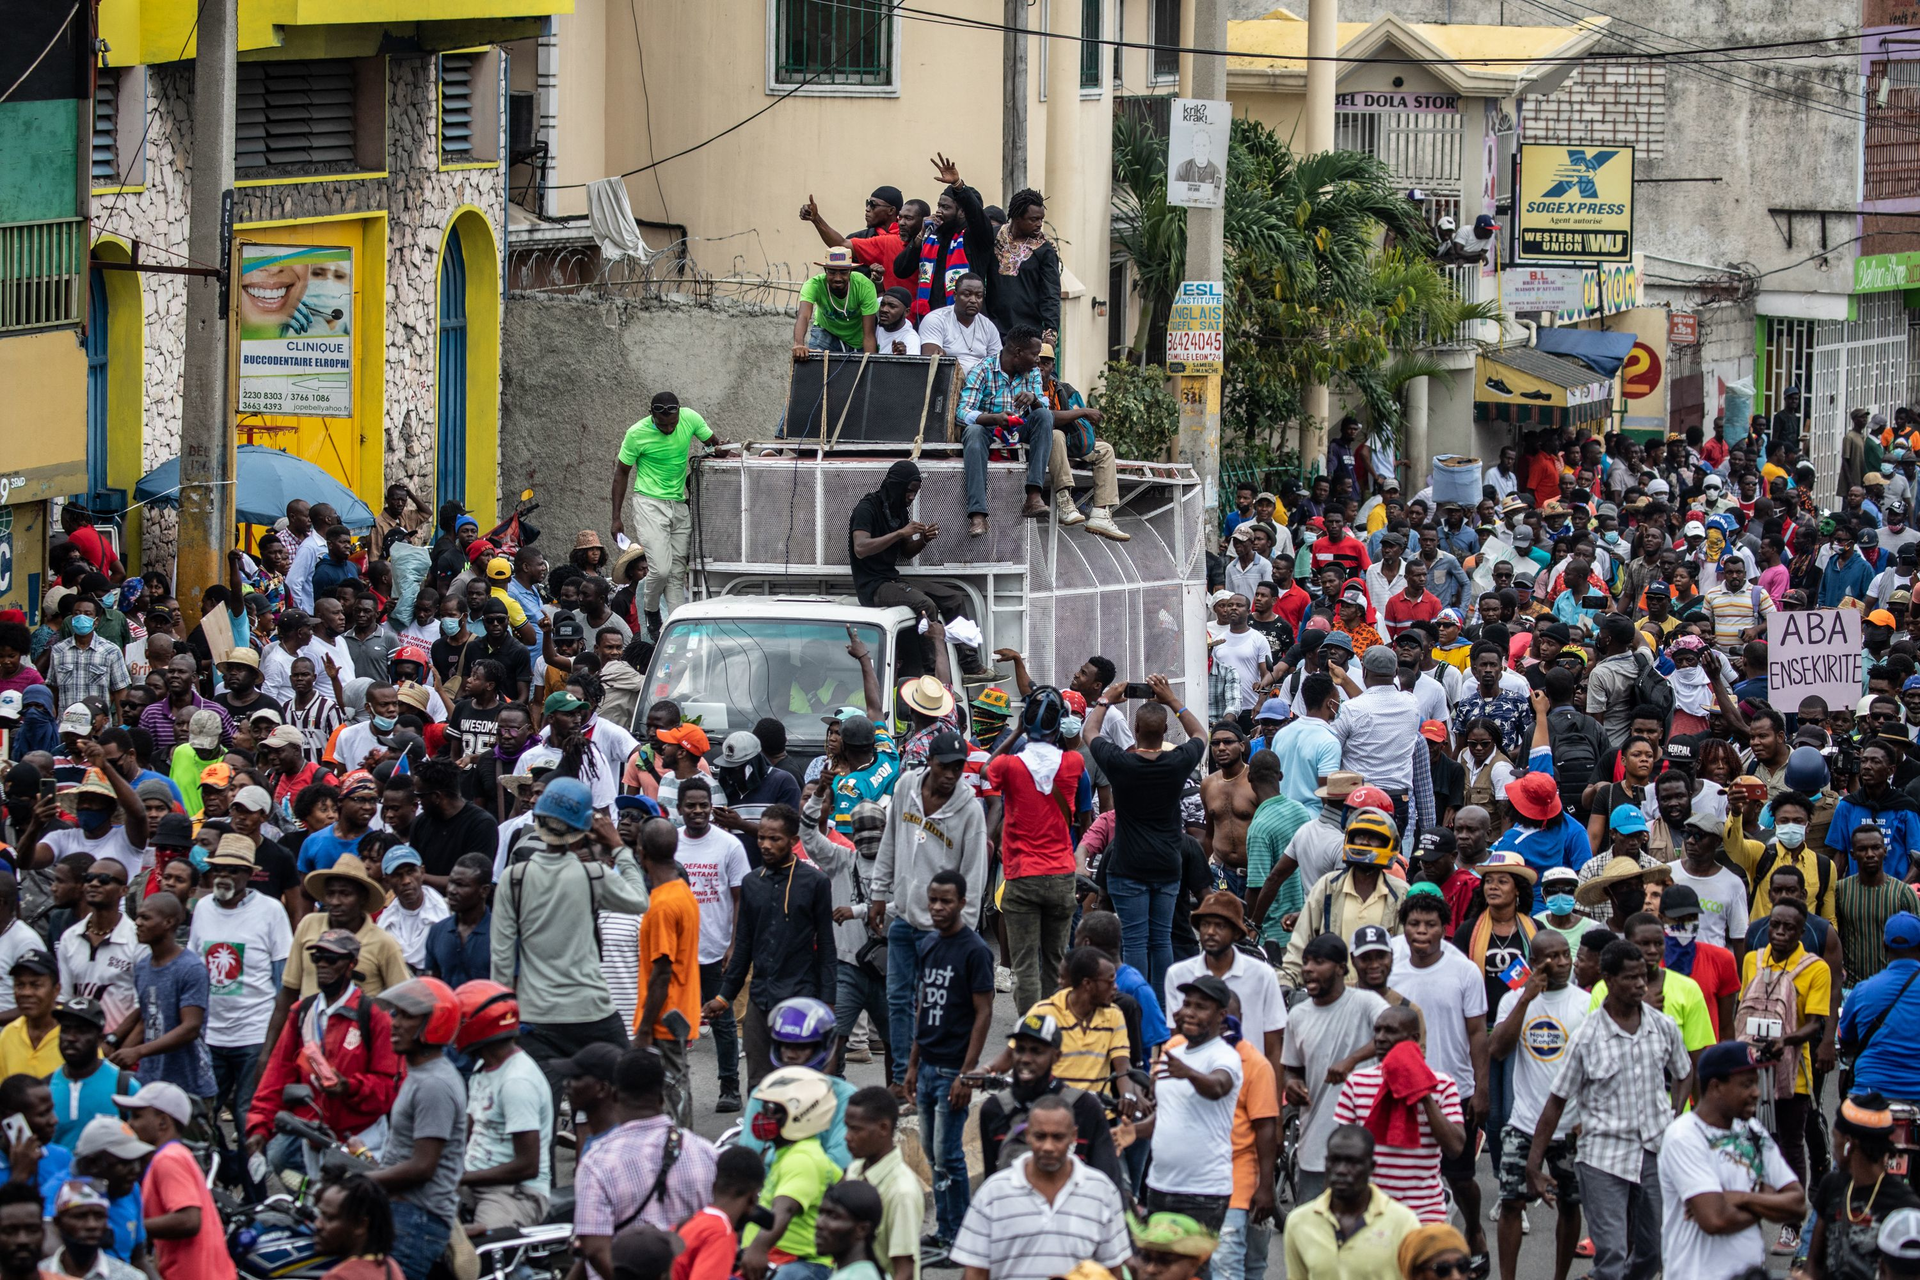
(765, 633)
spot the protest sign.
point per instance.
(1814, 653)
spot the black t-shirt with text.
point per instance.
(474, 728)
(952, 971)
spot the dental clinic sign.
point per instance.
(296, 330)
(1886, 272)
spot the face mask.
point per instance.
(449, 627)
(94, 821)
(82, 624)
(765, 1127)
(1790, 834)
(198, 857)
(1070, 726)
(1560, 904)
(384, 723)
(1684, 934)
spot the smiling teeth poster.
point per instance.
(296, 330)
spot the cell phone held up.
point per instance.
(1141, 690)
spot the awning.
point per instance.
(1601, 351)
(1527, 377)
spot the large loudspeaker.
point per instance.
(856, 398)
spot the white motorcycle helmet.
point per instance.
(805, 1095)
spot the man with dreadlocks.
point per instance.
(1027, 267)
(880, 533)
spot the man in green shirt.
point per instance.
(654, 455)
(837, 309)
(1275, 821)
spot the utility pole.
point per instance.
(1323, 38)
(1199, 445)
(206, 420)
(1013, 111)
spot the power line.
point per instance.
(33, 66)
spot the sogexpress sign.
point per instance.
(1573, 204)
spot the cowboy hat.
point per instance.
(928, 696)
(1510, 862)
(349, 867)
(1222, 905)
(624, 559)
(839, 258)
(1594, 891)
(1339, 786)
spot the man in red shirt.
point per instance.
(1037, 783)
(1339, 546)
(712, 1236)
(1439, 854)
(181, 1218)
(77, 522)
(892, 224)
(1289, 601)
(1543, 469)
(1413, 603)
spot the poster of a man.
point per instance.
(1197, 140)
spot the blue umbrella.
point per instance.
(268, 480)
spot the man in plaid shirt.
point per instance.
(1004, 403)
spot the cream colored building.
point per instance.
(619, 83)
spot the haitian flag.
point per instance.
(1516, 973)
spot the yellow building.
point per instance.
(370, 162)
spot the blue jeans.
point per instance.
(800, 1271)
(941, 1130)
(1499, 1104)
(1146, 926)
(903, 980)
(1242, 1253)
(819, 339)
(235, 1072)
(419, 1239)
(1036, 433)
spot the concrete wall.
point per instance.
(577, 372)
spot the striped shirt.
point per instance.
(1735, 611)
(157, 720)
(1410, 1175)
(1012, 1232)
(1620, 1083)
(1087, 1049)
(1863, 916)
(316, 722)
(619, 1173)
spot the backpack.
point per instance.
(1771, 994)
(1577, 747)
(516, 886)
(1822, 865)
(1650, 688)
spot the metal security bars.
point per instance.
(294, 113)
(833, 42)
(1164, 62)
(43, 274)
(1090, 44)
(456, 106)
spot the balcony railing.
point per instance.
(43, 274)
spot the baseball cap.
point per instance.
(947, 747)
(1380, 661)
(1433, 730)
(252, 799)
(35, 961)
(217, 774)
(1370, 937)
(1679, 901)
(109, 1135)
(1903, 929)
(1559, 875)
(264, 713)
(401, 855)
(1273, 710)
(562, 700)
(1438, 843)
(567, 627)
(599, 1061)
(77, 719)
(203, 729)
(499, 569)
(1723, 1060)
(79, 1193)
(1038, 1026)
(1881, 618)
(286, 736)
(164, 1096)
(1208, 987)
(1626, 819)
(173, 831)
(1704, 823)
(82, 1009)
(338, 941)
(11, 704)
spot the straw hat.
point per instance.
(349, 867)
(1617, 870)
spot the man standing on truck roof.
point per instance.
(654, 453)
(880, 533)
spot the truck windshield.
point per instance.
(732, 673)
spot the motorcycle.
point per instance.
(275, 1236)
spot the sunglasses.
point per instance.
(1442, 1270)
(96, 878)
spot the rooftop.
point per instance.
(1496, 61)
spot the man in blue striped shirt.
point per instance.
(1004, 402)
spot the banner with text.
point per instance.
(1573, 204)
(1813, 653)
(1196, 329)
(296, 330)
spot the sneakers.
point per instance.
(1789, 1240)
(1100, 522)
(1064, 511)
(729, 1098)
(1002, 978)
(933, 1251)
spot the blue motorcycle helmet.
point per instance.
(801, 1023)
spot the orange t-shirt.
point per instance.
(173, 1181)
(671, 928)
(1259, 1100)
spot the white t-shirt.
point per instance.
(342, 656)
(1320, 1036)
(1193, 1136)
(1448, 991)
(1243, 653)
(715, 864)
(18, 939)
(1723, 903)
(1254, 981)
(969, 344)
(240, 946)
(1697, 1159)
(1551, 1020)
(905, 335)
(113, 844)
(513, 1098)
(409, 928)
(105, 972)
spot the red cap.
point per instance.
(1075, 703)
(1535, 796)
(1434, 730)
(478, 550)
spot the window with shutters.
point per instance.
(456, 107)
(1892, 146)
(116, 141)
(106, 131)
(1163, 62)
(299, 116)
(1090, 44)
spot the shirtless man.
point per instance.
(1229, 801)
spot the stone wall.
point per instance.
(420, 199)
(1617, 104)
(576, 372)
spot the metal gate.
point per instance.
(1823, 402)
(1839, 366)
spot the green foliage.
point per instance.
(1140, 415)
(1328, 278)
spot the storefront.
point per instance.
(1530, 390)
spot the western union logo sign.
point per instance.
(1574, 204)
